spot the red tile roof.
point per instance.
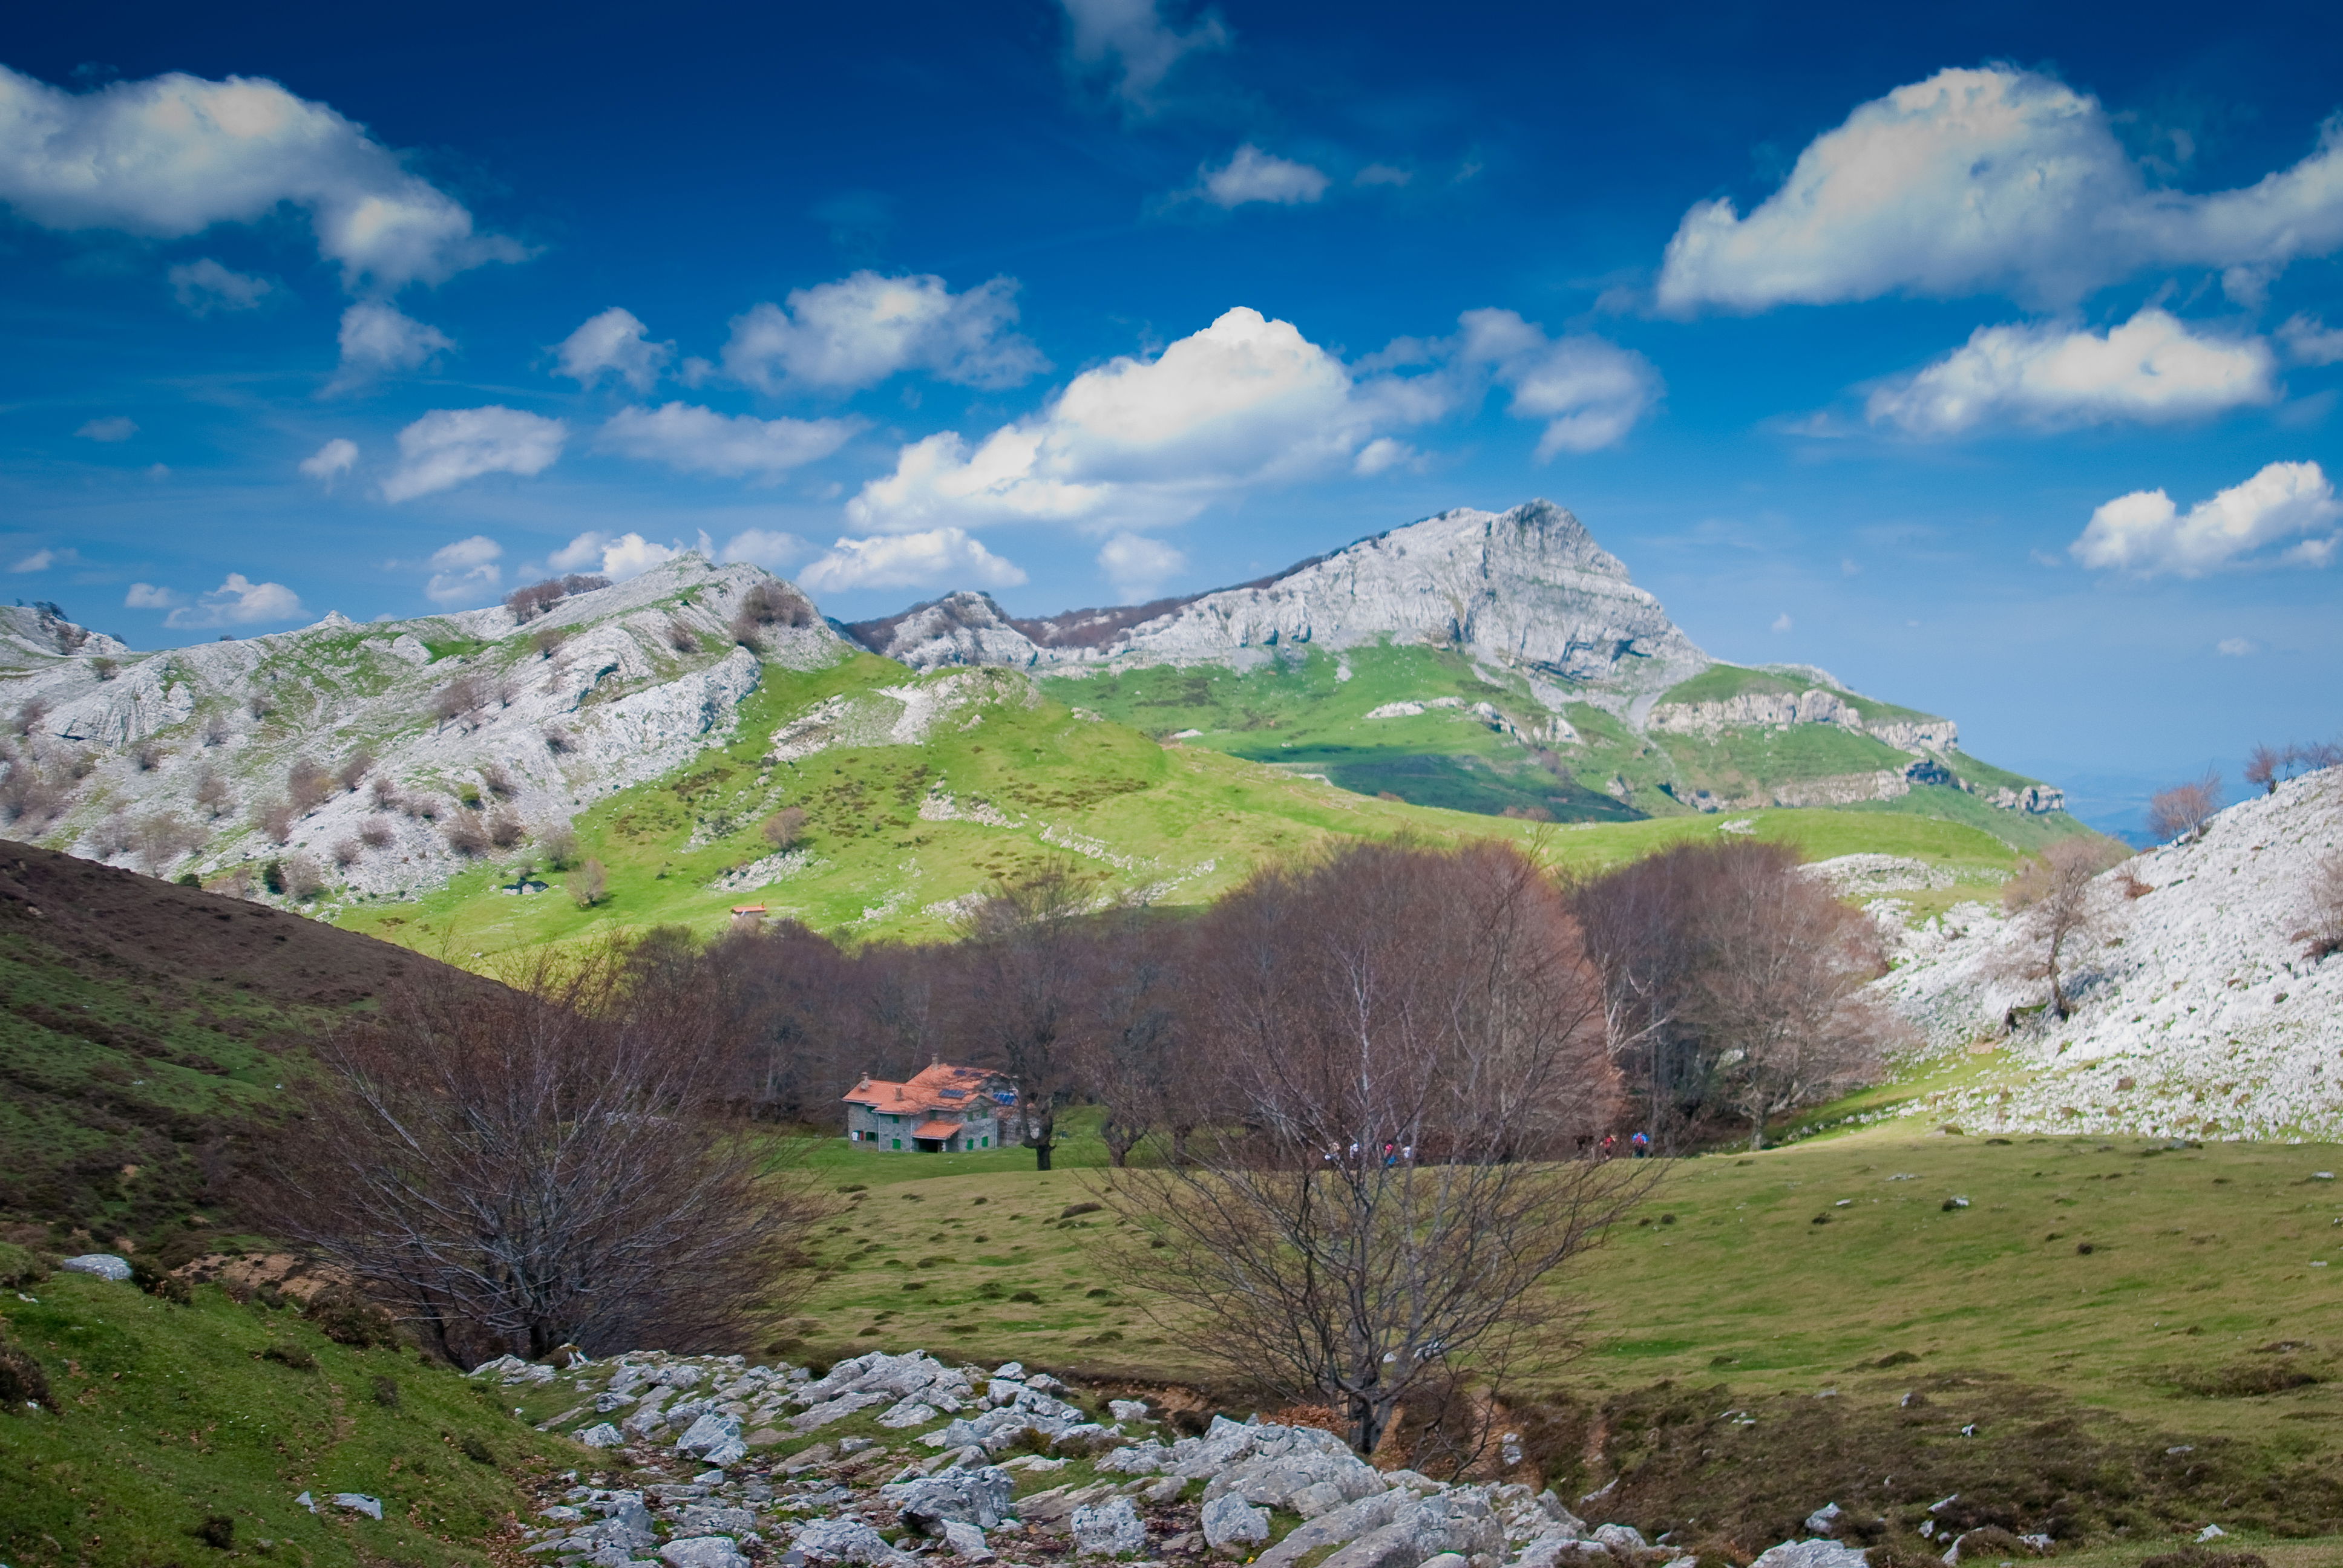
(940, 1088)
(936, 1129)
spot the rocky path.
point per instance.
(700, 1462)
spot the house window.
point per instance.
(899, 1143)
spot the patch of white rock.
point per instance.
(2197, 1012)
(858, 1500)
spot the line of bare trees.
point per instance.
(1728, 984)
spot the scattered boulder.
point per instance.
(1127, 1409)
(843, 1541)
(966, 1540)
(101, 1265)
(601, 1434)
(702, 1552)
(1109, 1528)
(1229, 1521)
(1824, 1520)
(978, 1497)
(1819, 1553)
(359, 1502)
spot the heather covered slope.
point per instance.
(144, 1026)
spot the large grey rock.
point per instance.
(979, 1497)
(1393, 1546)
(1345, 1523)
(1108, 1528)
(837, 1409)
(102, 1265)
(359, 1502)
(1229, 1520)
(1815, 1554)
(844, 1540)
(601, 1434)
(702, 1552)
(711, 1430)
(713, 1519)
(966, 1540)
(1278, 1481)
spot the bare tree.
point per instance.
(1636, 922)
(1025, 971)
(213, 794)
(785, 827)
(1416, 1042)
(589, 885)
(2182, 810)
(2324, 934)
(1779, 989)
(163, 837)
(275, 820)
(460, 699)
(2265, 767)
(356, 767)
(307, 785)
(769, 604)
(2059, 910)
(1134, 1064)
(517, 1169)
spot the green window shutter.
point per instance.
(899, 1143)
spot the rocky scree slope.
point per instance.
(478, 721)
(1542, 614)
(957, 1464)
(2197, 1011)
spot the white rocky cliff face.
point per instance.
(1527, 589)
(169, 761)
(2197, 1010)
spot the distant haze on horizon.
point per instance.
(1988, 360)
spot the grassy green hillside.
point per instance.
(2150, 1331)
(184, 1434)
(897, 830)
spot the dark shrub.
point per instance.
(347, 1318)
(218, 1531)
(23, 1381)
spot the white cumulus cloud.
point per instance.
(2051, 374)
(1990, 180)
(1589, 391)
(2311, 341)
(466, 572)
(1132, 39)
(176, 153)
(38, 561)
(379, 340)
(618, 555)
(859, 330)
(238, 601)
(331, 461)
(767, 548)
(933, 558)
(148, 596)
(2147, 533)
(614, 344)
(1141, 441)
(118, 428)
(449, 445)
(702, 441)
(1253, 175)
(204, 286)
(2237, 648)
(1137, 566)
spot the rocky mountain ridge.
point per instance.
(377, 740)
(2198, 1010)
(1527, 589)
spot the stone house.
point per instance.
(943, 1110)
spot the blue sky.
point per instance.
(1989, 359)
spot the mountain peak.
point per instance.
(1528, 589)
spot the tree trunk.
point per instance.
(1041, 1137)
(1756, 1132)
